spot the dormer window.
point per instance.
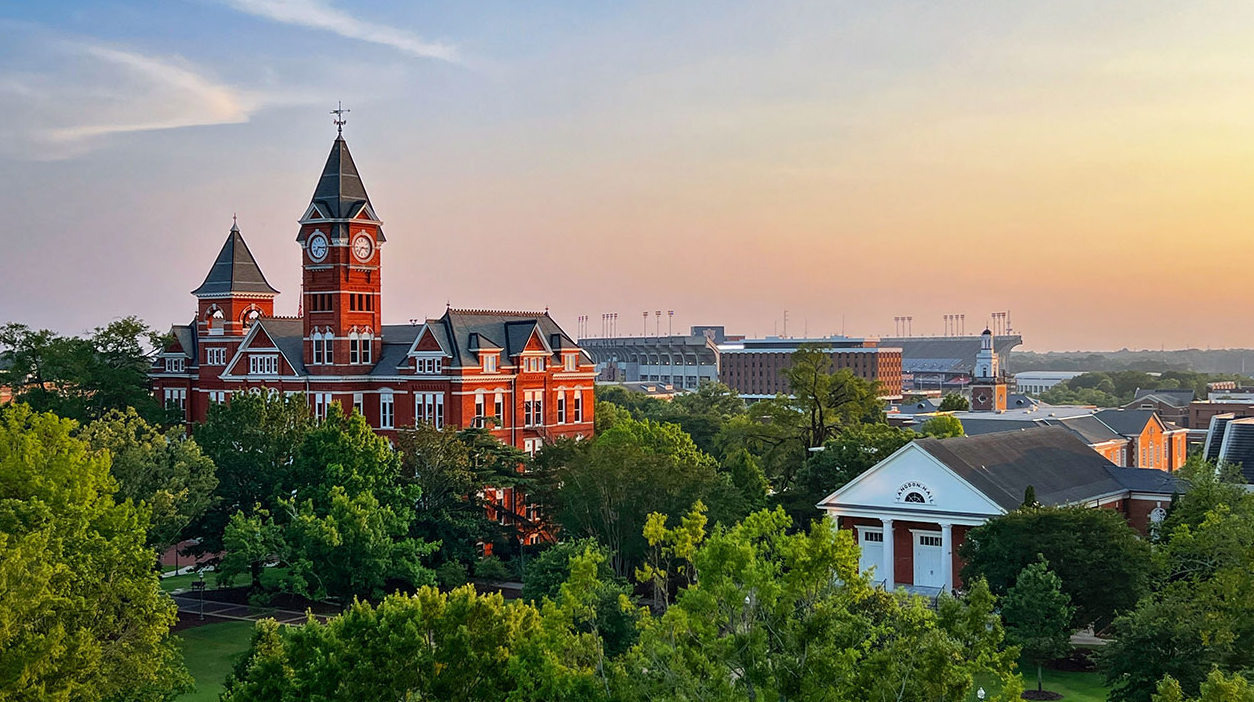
(429, 366)
(175, 365)
(572, 361)
(489, 363)
(533, 364)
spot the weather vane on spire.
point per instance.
(339, 117)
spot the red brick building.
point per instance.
(753, 367)
(519, 370)
(911, 511)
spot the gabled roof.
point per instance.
(340, 193)
(1174, 397)
(1055, 462)
(287, 334)
(185, 340)
(1128, 422)
(234, 270)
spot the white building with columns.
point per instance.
(912, 511)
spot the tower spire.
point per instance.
(339, 117)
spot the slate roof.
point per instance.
(1089, 428)
(1175, 398)
(1054, 461)
(234, 270)
(186, 336)
(1128, 422)
(463, 332)
(288, 334)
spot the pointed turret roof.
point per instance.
(234, 270)
(340, 192)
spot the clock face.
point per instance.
(317, 246)
(363, 246)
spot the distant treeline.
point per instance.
(1197, 360)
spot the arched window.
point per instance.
(316, 341)
(251, 315)
(354, 346)
(366, 346)
(215, 320)
(916, 498)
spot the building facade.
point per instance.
(753, 367)
(683, 362)
(516, 373)
(911, 512)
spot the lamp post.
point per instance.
(200, 585)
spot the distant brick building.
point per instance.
(518, 372)
(753, 367)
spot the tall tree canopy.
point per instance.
(82, 616)
(605, 488)
(82, 378)
(167, 472)
(254, 441)
(1102, 562)
(1200, 613)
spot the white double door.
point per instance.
(929, 550)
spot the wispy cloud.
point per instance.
(67, 96)
(188, 98)
(317, 14)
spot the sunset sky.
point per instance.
(1087, 166)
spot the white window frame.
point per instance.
(480, 407)
(176, 396)
(387, 410)
(561, 407)
(359, 403)
(489, 362)
(263, 364)
(175, 364)
(354, 348)
(498, 407)
(571, 362)
(215, 356)
(578, 406)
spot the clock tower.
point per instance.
(988, 387)
(341, 237)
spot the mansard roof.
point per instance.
(234, 270)
(464, 332)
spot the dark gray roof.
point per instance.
(288, 335)
(463, 332)
(979, 427)
(1238, 446)
(185, 334)
(924, 406)
(1054, 461)
(1146, 480)
(340, 193)
(1128, 422)
(1089, 428)
(1174, 397)
(234, 270)
(1019, 400)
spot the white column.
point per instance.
(947, 554)
(887, 567)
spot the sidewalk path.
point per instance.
(189, 604)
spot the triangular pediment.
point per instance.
(898, 483)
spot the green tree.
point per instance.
(953, 402)
(1216, 688)
(822, 403)
(346, 529)
(82, 378)
(843, 458)
(167, 472)
(783, 615)
(1037, 614)
(1200, 615)
(605, 488)
(253, 440)
(1102, 562)
(82, 616)
(942, 426)
(426, 646)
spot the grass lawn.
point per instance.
(210, 652)
(1077, 687)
